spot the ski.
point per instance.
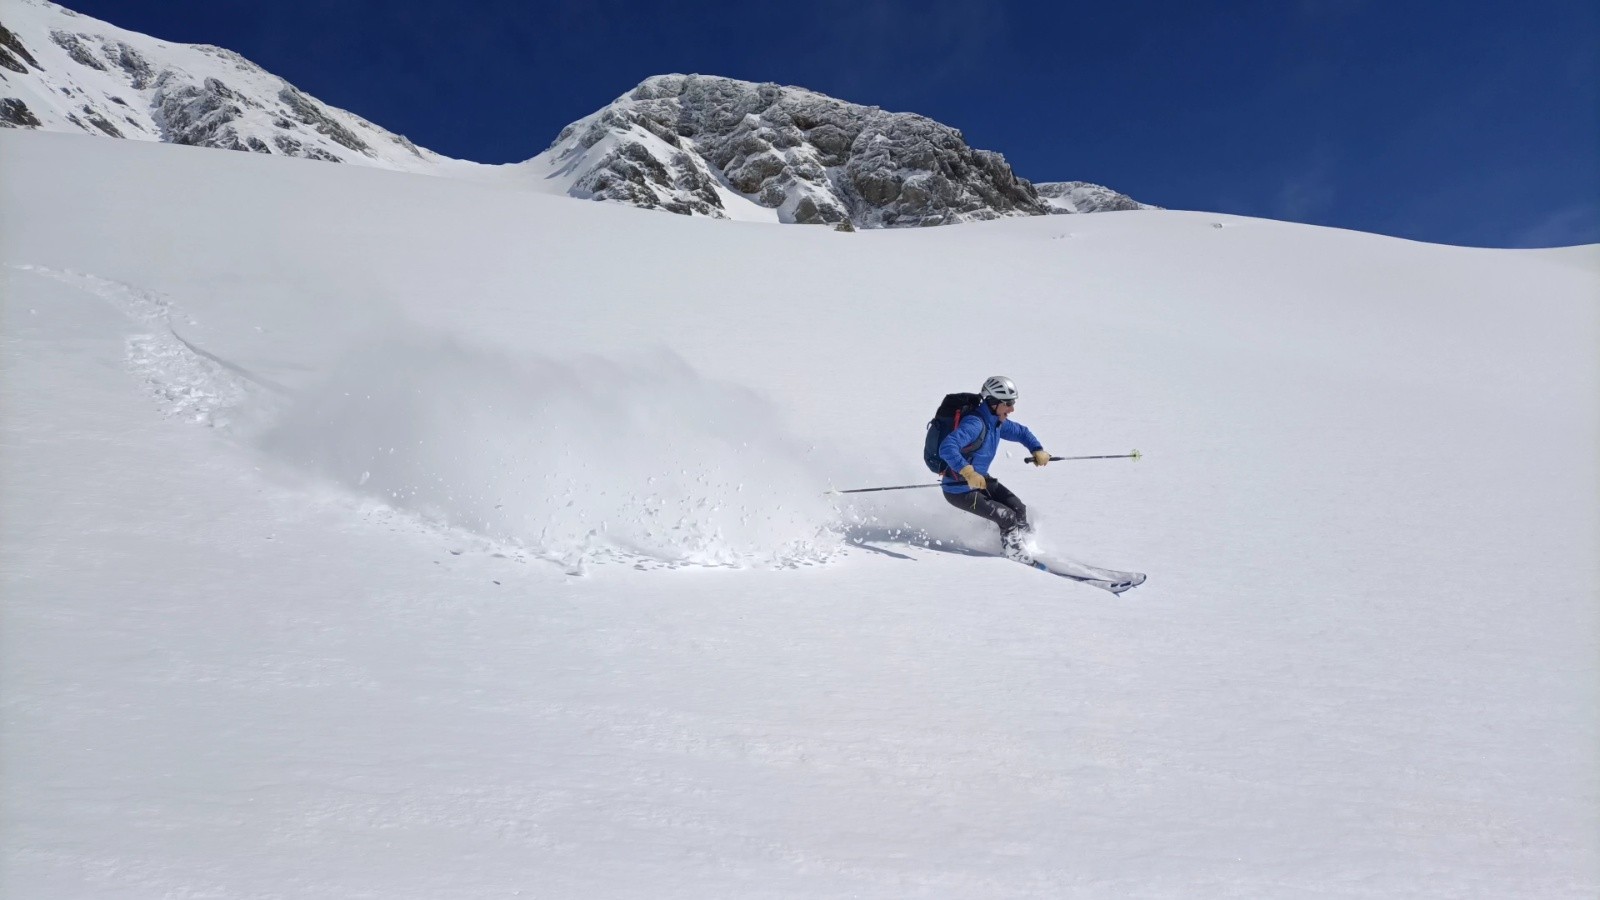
(1117, 586)
(1105, 579)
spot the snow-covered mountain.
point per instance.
(712, 146)
(682, 143)
(63, 71)
(1083, 197)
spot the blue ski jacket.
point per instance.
(966, 433)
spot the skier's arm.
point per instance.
(950, 447)
(1016, 431)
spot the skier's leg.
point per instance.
(980, 504)
(1002, 495)
(1014, 529)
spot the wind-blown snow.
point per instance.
(296, 472)
(566, 459)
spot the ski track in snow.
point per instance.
(190, 383)
(185, 382)
(640, 461)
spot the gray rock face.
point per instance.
(311, 113)
(77, 48)
(675, 140)
(13, 55)
(199, 115)
(15, 114)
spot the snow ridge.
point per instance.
(62, 71)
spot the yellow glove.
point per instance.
(1041, 457)
(974, 480)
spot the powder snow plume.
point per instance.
(573, 460)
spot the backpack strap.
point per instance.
(983, 435)
(968, 450)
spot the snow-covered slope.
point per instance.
(63, 71)
(293, 473)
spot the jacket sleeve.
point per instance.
(1016, 431)
(965, 433)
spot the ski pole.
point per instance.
(898, 487)
(1135, 455)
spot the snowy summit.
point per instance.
(63, 71)
(716, 146)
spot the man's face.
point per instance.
(1003, 408)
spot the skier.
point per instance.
(967, 484)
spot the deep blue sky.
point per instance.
(1458, 121)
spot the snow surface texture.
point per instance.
(693, 145)
(296, 473)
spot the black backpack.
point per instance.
(951, 411)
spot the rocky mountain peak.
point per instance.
(1084, 197)
(698, 144)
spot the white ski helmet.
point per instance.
(1000, 388)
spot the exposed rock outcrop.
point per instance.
(684, 142)
(15, 114)
(1084, 197)
(13, 54)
